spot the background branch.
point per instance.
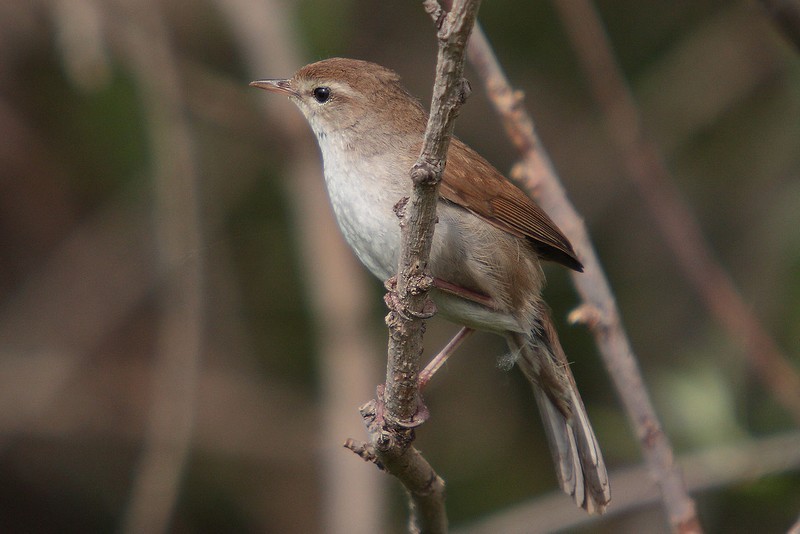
(179, 244)
(705, 470)
(648, 172)
(599, 311)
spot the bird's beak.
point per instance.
(275, 86)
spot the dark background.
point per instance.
(160, 332)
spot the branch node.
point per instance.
(368, 410)
(426, 173)
(517, 99)
(464, 91)
(651, 432)
(434, 9)
(390, 284)
(419, 282)
(420, 416)
(519, 173)
(589, 315)
(400, 209)
(365, 451)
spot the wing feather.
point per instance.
(472, 183)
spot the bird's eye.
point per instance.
(322, 94)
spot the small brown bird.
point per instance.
(487, 247)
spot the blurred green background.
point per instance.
(184, 344)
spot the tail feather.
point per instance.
(576, 453)
(563, 446)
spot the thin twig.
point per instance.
(541, 181)
(391, 420)
(648, 172)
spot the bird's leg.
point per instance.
(479, 298)
(427, 373)
(466, 294)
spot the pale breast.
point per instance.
(364, 210)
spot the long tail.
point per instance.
(579, 462)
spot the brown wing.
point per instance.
(502, 204)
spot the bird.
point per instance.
(488, 245)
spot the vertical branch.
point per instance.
(409, 302)
(599, 310)
(391, 420)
